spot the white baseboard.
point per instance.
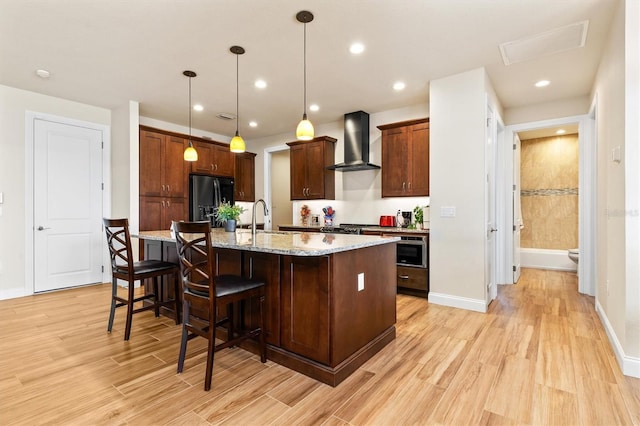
(629, 365)
(458, 302)
(557, 260)
(13, 293)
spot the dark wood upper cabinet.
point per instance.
(245, 177)
(310, 178)
(405, 158)
(214, 160)
(163, 171)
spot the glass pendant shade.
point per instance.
(190, 154)
(305, 131)
(237, 144)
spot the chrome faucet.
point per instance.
(253, 216)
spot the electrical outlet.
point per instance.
(361, 281)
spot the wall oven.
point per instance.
(412, 251)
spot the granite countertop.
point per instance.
(282, 242)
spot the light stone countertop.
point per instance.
(281, 242)
(373, 228)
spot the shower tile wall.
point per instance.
(549, 192)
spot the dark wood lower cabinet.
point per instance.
(319, 321)
(413, 281)
(305, 307)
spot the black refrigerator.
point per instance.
(206, 193)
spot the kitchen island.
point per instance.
(330, 298)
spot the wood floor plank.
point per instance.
(601, 403)
(554, 407)
(511, 395)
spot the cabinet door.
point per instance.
(204, 164)
(151, 213)
(298, 167)
(305, 303)
(151, 163)
(395, 157)
(419, 159)
(175, 169)
(245, 177)
(174, 209)
(315, 170)
(223, 161)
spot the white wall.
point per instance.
(457, 176)
(618, 278)
(358, 194)
(14, 103)
(547, 110)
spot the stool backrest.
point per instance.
(195, 255)
(119, 241)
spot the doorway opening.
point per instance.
(277, 186)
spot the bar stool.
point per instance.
(203, 293)
(124, 268)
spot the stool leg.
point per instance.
(263, 341)
(127, 328)
(230, 321)
(114, 293)
(176, 296)
(185, 336)
(156, 296)
(211, 349)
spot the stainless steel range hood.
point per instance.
(356, 144)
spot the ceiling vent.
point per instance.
(558, 40)
(226, 116)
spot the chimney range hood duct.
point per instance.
(356, 144)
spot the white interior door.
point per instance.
(517, 211)
(490, 206)
(67, 205)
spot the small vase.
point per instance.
(230, 225)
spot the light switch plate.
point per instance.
(361, 281)
(447, 211)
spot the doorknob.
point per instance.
(493, 230)
(42, 228)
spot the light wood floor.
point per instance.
(540, 356)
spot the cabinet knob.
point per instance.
(403, 186)
(162, 203)
(409, 185)
(168, 188)
(163, 187)
(168, 203)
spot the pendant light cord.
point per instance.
(189, 111)
(305, 70)
(237, 94)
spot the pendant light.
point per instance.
(190, 154)
(305, 132)
(237, 143)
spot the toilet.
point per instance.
(574, 254)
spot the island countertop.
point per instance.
(282, 242)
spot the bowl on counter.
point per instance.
(387, 221)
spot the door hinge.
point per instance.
(514, 227)
(514, 146)
(514, 187)
(102, 143)
(514, 268)
(102, 268)
(488, 121)
(102, 184)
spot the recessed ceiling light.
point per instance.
(561, 132)
(356, 48)
(314, 107)
(253, 124)
(260, 84)
(43, 73)
(198, 107)
(398, 85)
(543, 83)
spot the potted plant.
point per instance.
(229, 214)
(418, 214)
